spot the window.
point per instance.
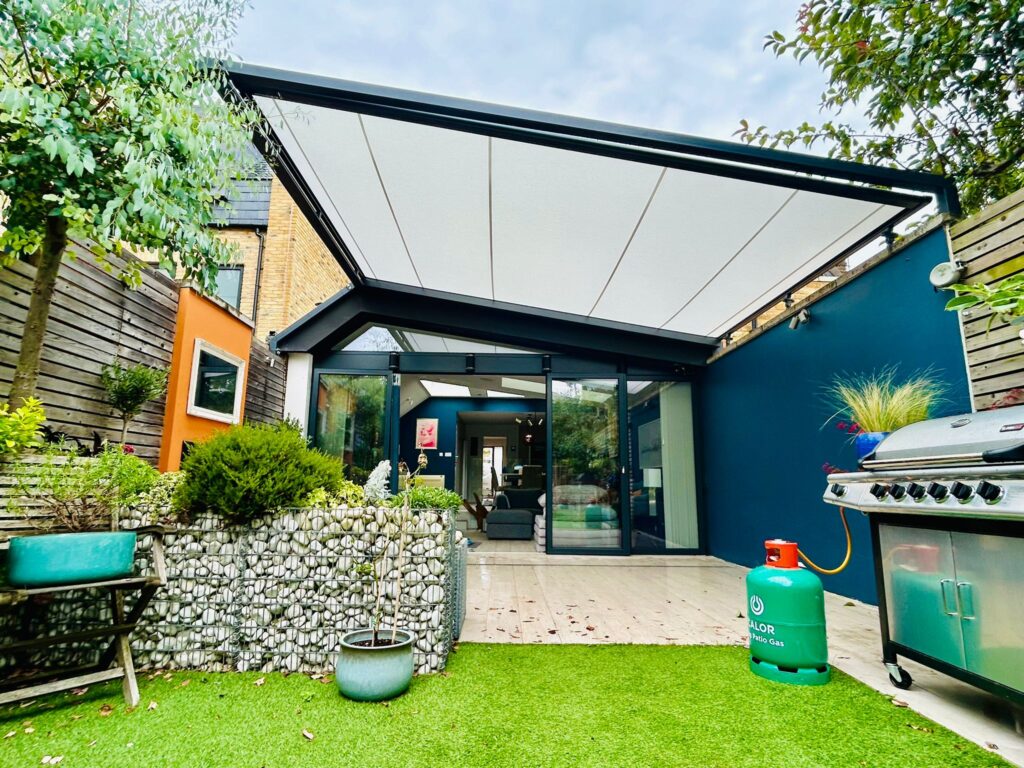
(215, 391)
(229, 285)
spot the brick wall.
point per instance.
(298, 270)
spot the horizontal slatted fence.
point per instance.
(94, 319)
(264, 389)
(991, 247)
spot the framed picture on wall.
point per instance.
(426, 434)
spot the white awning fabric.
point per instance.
(562, 229)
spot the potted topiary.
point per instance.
(878, 403)
(376, 663)
(128, 389)
(81, 498)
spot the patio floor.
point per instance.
(529, 597)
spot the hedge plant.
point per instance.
(246, 471)
(421, 497)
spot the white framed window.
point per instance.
(215, 388)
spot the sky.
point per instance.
(691, 66)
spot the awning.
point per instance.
(605, 222)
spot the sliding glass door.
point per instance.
(351, 419)
(661, 471)
(584, 501)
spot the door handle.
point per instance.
(965, 596)
(949, 597)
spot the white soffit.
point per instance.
(559, 229)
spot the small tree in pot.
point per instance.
(375, 663)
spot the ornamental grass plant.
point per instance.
(881, 401)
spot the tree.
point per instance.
(128, 389)
(113, 133)
(939, 82)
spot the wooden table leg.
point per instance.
(129, 685)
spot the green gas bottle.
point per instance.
(786, 613)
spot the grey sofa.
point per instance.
(512, 516)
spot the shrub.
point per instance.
(158, 501)
(248, 470)
(348, 494)
(83, 494)
(879, 402)
(421, 497)
(19, 429)
(128, 389)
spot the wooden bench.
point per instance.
(115, 661)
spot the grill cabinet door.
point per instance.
(920, 591)
(988, 570)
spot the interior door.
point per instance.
(920, 591)
(584, 505)
(988, 591)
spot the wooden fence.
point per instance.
(991, 246)
(264, 389)
(94, 320)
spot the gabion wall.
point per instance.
(277, 595)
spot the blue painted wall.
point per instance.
(446, 410)
(763, 411)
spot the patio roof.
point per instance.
(662, 232)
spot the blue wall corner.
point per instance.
(446, 410)
(764, 443)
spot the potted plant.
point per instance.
(376, 663)
(879, 403)
(81, 496)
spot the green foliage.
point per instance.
(1005, 298)
(880, 402)
(421, 497)
(347, 494)
(110, 120)
(19, 428)
(84, 493)
(159, 499)
(128, 389)
(938, 80)
(248, 470)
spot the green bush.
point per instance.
(428, 498)
(158, 501)
(19, 429)
(249, 470)
(82, 494)
(348, 494)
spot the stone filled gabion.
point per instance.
(276, 595)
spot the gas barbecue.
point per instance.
(945, 499)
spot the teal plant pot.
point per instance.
(866, 442)
(366, 673)
(53, 559)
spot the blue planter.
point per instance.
(70, 558)
(866, 442)
(366, 673)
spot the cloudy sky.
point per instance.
(693, 66)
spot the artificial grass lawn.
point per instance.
(498, 705)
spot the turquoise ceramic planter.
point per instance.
(374, 673)
(70, 558)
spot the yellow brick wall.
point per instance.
(299, 271)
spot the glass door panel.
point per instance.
(584, 506)
(350, 421)
(661, 471)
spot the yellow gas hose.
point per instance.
(849, 550)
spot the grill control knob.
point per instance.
(837, 489)
(915, 491)
(961, 491)
(897, 491)
(938, 491)
(878, 491)
(989, 491)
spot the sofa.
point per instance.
(513, 513)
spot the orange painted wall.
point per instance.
(198, 318)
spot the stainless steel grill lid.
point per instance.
(988, 437)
